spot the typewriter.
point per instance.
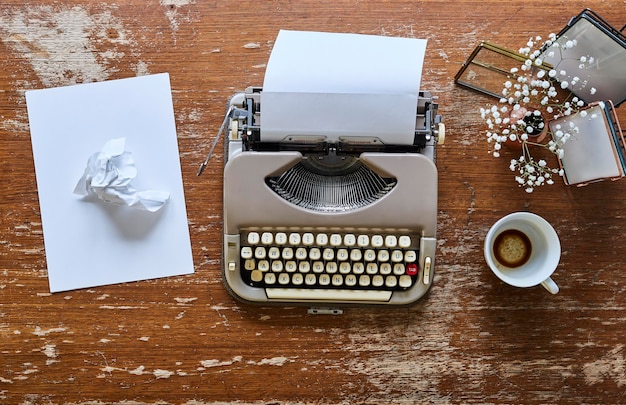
(327, 222)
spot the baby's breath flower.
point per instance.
(530, 99)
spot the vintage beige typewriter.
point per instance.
(321, 208)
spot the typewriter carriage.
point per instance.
(245, 125)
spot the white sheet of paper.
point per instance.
(89, 242)
(334, 85)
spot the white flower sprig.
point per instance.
(531, 97)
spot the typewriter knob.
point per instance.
(234, 130)
(441, 133)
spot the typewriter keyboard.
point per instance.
(335, 265)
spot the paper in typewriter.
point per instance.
(339, 85)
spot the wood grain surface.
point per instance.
(185, 340)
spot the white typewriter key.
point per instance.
(345, 268)
(337, 280)
(308, 239)
(364, 280)
(267, 238)
(249, 264)
(349, 239)
(342, 255)
(283, 278)
(355, 255)
(398, 269)
(322, 239)
(270, 278)
(372, 268)
(383, 255)
(369, 255)
(405, 281)
(277, 266)
(358, 268)
(264, 265)
(274, 253)
(260, 252)
(331, 267)
(363, 240)
(256, 275)
(391, 241)
(391, 281)
(404, 241)
(291, 266)
(410, 256)
(385, 268)
(304, 267)
(301, 254)
(297, 279)
(350, 280)
(377, 241)
(246, 252)
(310, 279)
(335, 239)
(294, 239)
(318, 267)
(328, 254)
(315, 254)
(378, 281)
(324, 279)
(397, 256)
(287, 253)
(253, 238)
(280, 238)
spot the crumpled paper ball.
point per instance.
(109, 174)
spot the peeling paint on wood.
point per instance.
(186, 340)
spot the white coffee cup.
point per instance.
(523, 250)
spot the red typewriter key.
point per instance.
(411, 269)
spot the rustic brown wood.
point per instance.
(185, 340)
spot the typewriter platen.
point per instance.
(319, 222)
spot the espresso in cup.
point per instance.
(512, 248)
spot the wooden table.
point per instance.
(186, 340)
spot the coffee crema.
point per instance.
(512, 248)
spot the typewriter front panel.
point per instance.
(407, 211)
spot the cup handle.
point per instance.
(550, 285)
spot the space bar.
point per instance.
(327, 294)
